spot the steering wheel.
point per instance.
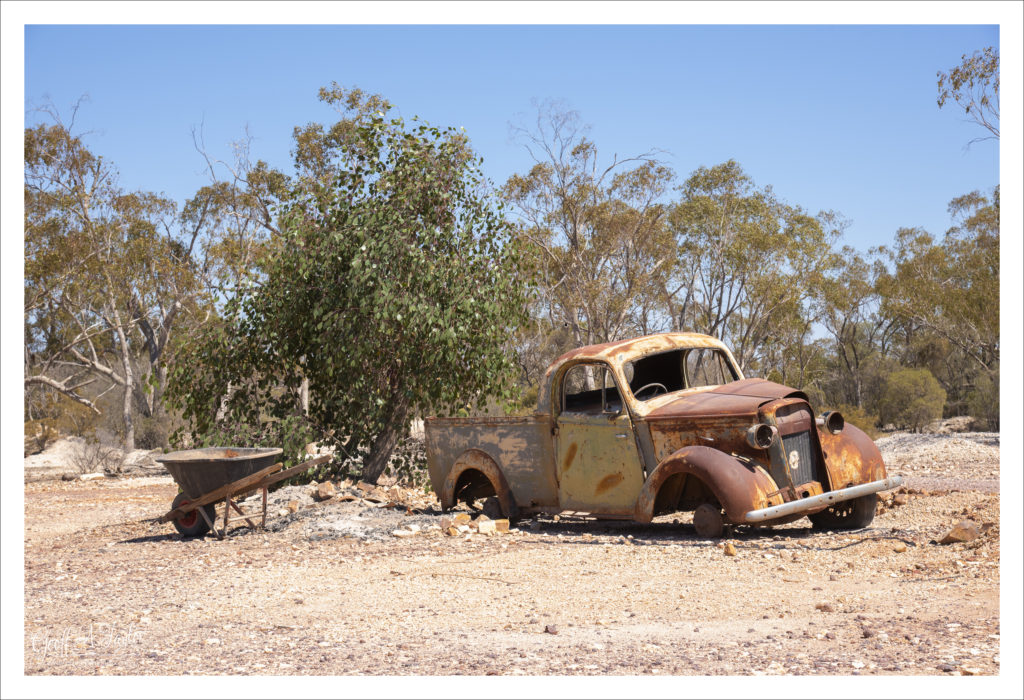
(645, 387)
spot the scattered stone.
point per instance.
(461, 518)
(446, 522)
(899, 548)
(963, 531)
(68, 477)
(324, 491)
(501, 525)
(969, 671)
(948, 668)
(283, 511)
(867, 632)
(729, 550)
(824, 607)
(486, 527)
(293, 506)
(91, 477)
(451, 531)
(551, 629)
(402, 533)
(900, 499)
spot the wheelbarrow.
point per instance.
(212, 474)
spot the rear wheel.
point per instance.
(192, 524)
(847, 515)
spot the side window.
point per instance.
(590, 389)
(706, 367)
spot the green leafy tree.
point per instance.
(913, 398)
(974, 86)
(746, 260)
(951, 288)
(392, 290)
(596, 233)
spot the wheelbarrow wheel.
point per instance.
(192, 524)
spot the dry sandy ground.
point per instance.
(108, 591)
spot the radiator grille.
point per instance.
(800, 457)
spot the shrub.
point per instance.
(92, 457)
(38, 434)
(912, 399)
(983, 400)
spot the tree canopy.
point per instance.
(393, 290)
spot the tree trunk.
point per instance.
(129, 424)
(380, 452)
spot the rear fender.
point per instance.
(738, 486)
(475, 459)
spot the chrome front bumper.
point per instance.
(825, 499)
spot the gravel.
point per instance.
(330, 590)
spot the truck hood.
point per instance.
(736, 398)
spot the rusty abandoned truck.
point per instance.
(660, 424)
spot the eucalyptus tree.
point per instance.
(392, 289)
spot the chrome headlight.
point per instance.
(832, 421)
(761, 436)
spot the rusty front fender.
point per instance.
(475, 459)
(851, 458)
(738, 487)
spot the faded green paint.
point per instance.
(601, 466)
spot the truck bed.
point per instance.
(521, 446)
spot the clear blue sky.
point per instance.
(840, 117)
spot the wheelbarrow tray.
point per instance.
(201, 471)
(258, 480)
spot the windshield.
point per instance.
(675, 370)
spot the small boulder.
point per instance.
(461, 518)
(900, 499)
(501, 525)
(486, 527)
(899, 548)
(963, 531)
(729, 550)
(324, 491)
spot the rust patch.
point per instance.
(608, 483)
(569, 456)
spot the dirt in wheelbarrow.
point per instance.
(369, 582)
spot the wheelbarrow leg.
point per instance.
(227, 512)
(241, 512)
(263, 522)
(213, 526)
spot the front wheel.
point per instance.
(847, 515)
